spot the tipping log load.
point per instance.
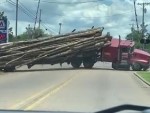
(56, 49)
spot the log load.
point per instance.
(57, 49)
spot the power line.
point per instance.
(33, 15)
(48, 26)
(25, 12)
(23, 6)
(29, 14)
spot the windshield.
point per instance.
(62, 55)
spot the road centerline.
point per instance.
(33, 100)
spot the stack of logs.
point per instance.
(57, 48)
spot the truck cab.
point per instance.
(140, 60)
(123, 55)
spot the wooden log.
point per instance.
(57, 39)
(82, 43)
(33, 51)
(58, 43)
(51, 52)
(80, 33)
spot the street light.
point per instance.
(60, 27)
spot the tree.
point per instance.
(34, 33)
(136, 36)
(10, 35)
(2, 15)
(30, 33)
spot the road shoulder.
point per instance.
(141, 78)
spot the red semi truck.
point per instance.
(123, 55)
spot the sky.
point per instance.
(116, 16)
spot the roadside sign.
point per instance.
(3, 30)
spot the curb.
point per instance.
(138, 76)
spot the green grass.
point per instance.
(145, 75)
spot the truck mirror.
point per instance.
(145, 41)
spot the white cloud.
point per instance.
(115, 16)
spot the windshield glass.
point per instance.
(65, 55)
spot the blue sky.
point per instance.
(114, 15)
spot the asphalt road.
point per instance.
(64, 89)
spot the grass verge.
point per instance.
(145, 75)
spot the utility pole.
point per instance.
(36, 19)
(60, 27)
(16, 30)
(40, 19)
(136, 15)
(143, 22)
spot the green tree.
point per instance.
(2, 15)
(10, 35)
(30, 33)
(136, 36)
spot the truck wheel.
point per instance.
(136, 67)
(76, 62)
(88, 63)
(9, 69)
(127, 68)
(114, 65)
